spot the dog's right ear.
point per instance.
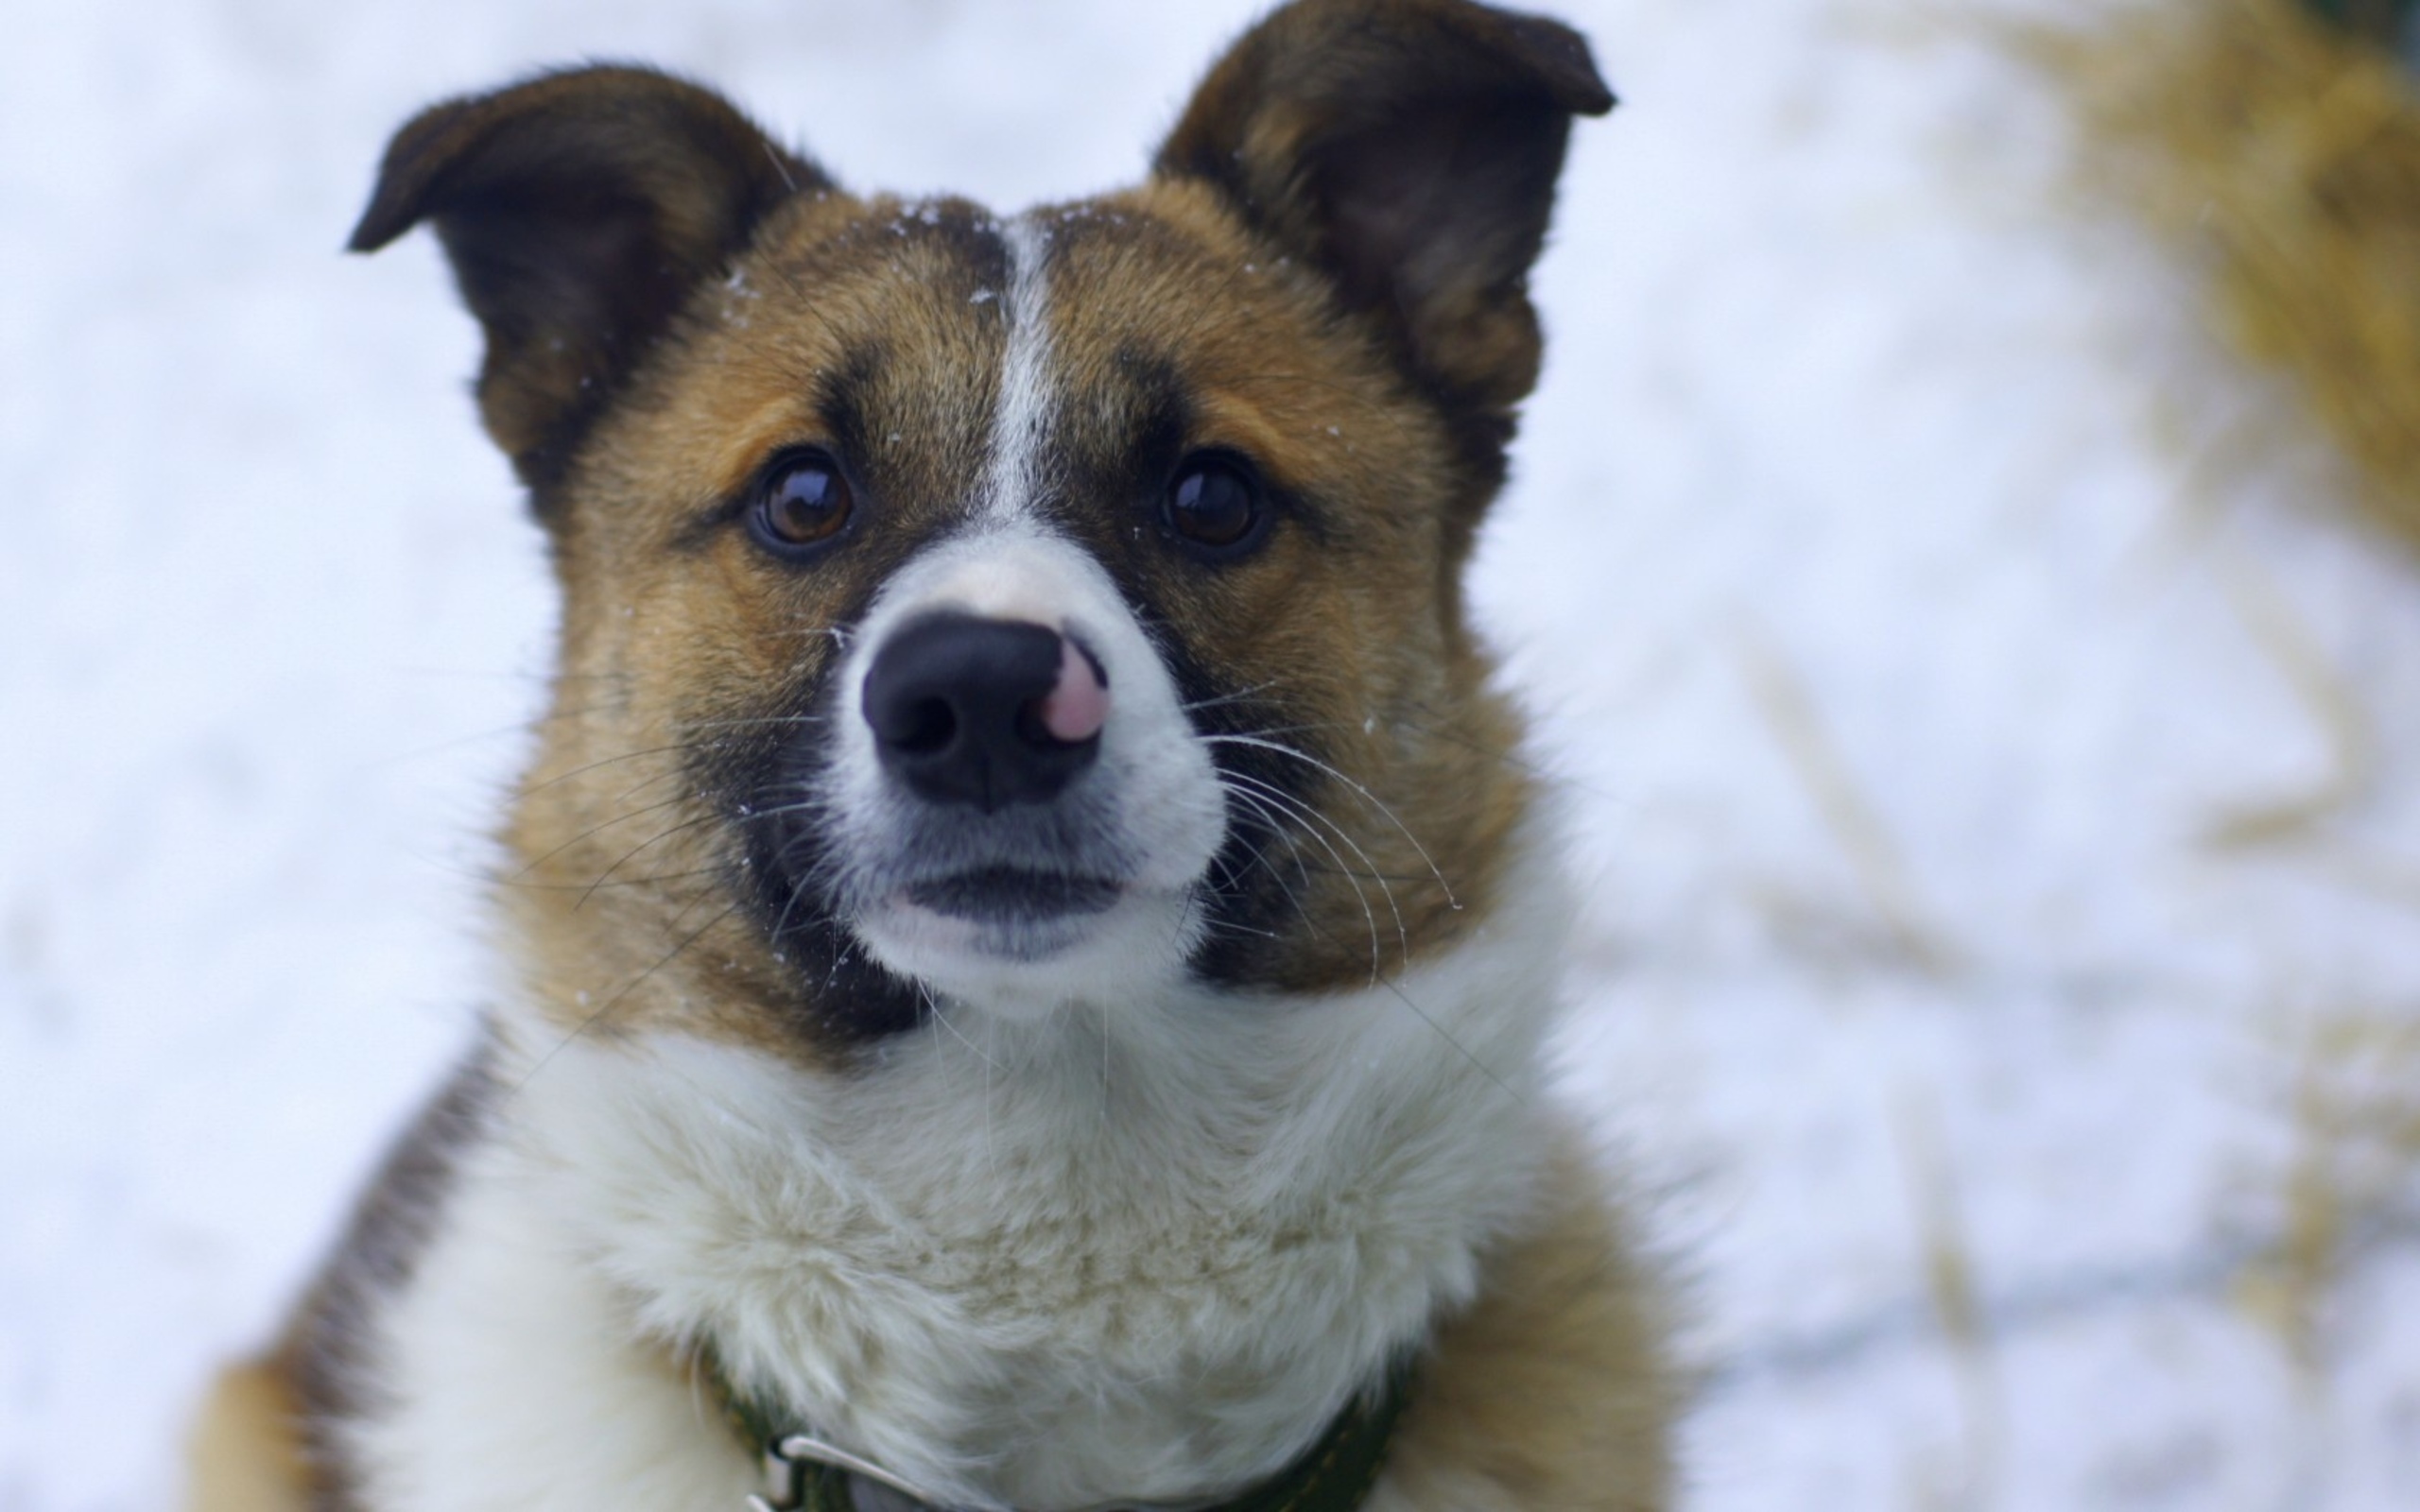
(580, 210)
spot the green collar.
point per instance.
(1333, 1475)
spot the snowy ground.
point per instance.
(1913, 598)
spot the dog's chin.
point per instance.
(1024, 943)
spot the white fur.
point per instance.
(519, 1381)
(1097, 1234)
(1019, 425)
(1153, 785)
(1153, 789)
(1143, 1249)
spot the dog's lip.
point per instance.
(1013, 895)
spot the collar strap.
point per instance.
(804, 1474)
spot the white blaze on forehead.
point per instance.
(1150, 811)
(1013, 477)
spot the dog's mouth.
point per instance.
(992, 915)
(1015, 896)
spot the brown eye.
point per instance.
(1216, 506)
(803, 503)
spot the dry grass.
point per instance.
(2355, 1176)
(2285, 153)
(1783, 698)
(2334, 710)
(1958, 1307)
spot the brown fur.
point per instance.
(580, 210)
(677, 647)
(1551, 1394)
(1325, 275)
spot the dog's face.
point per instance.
(1029, 611)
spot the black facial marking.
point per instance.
(1161, 408)
(911, 487)
(1112, 502)
(1248, 892)
(1120, 446)
(768, 779)
(787, 872)
(841, 400)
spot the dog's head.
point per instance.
(1025, 609)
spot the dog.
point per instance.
(1031, 944)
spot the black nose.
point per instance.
(955, 705)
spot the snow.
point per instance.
(1910, 588)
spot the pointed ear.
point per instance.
(578, 208)
(1409, 148)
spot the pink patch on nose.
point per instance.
(1077, 705)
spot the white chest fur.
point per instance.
(1134, 1251)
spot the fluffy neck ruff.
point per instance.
(1138, 1252)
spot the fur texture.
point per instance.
(1095, 1145)
(1141, 1251)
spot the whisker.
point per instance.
(933, 1007)
(656, 839)
(1311, 816)
(597, 830)
(1406, 878)
(610, 1004)
(1359, 895)
(1518, 763)
(498, 732)
(601, 763)
(1274, 822)
(1447, 1034)
(1261, 858)
(1372, 798)
(1229, 698)
(656, 880)
(789, 904)
(747, 722)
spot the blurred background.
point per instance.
(1964, 558)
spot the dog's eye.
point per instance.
(803, 503)
(1216, 506)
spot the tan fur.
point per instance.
(676, 305)
(1550, 1395)
(667, 650)
(1363, 632)
(245, 1451)
(1358, 638)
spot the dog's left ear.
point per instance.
(1408, 148)
(580, 210)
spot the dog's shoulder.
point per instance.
(1551, 1391)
